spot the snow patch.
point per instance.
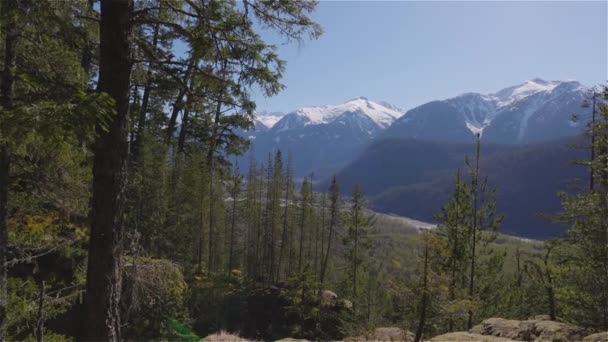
(381, 115)
(268, 119)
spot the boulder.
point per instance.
(465, 336)
(345, 304)
(558, 332)
(223, 336)
(537, 329)
(545, 318)
(500, 327)
(384, 334)
(328, 298)
(599, 337)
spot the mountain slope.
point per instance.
(325, 138)
(534, 111)
(413, 178)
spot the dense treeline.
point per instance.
(122, 215)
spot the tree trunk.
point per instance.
(101, 320)
(181, 141)
(423, 301)
(143, 110)
(7, 90)
(40, 323)
(285, 233)
(301, 244)
(178, 105)
(232, 226)
(356, 242)
(329, 238)
(475, 190)
(592, 159)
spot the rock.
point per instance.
(465, 336)
(599, 337)
(388, 334)
(544, 318)
(501, 327)
(345, 304)
(223, 336)
(328, 298)
(290, 339)
(530, 330)
(558, 332)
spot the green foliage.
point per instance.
(155, 294)
(580, 261)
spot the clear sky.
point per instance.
(409, 52)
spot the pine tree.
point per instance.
(335, 207)
(484, 223)
(304, 219)
(101, 312)
(358, 239)
(235, 191)
(287, 233)
(7, 93)
(453, 227)
(582, 256)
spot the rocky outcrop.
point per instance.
(386, 334)
(599, 337)
(223, 336)
(530, 330)
(328, 299)
(465, 336)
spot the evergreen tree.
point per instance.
(358, 239)
(335, 207)
(582, 256)
(484, 223)
(453, 227)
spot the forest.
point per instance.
(124, 214)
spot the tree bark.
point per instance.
(181, 141)
(7, 90)
(101, 320)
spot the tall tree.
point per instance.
(453, 227)
(335, 207)
(358, 238)
(7, 91)
(304, 220)
(483, 222)
(582, 256)
(101, 319)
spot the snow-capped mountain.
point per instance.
(265, 120)
(382, 115)
(534, 111)
(323, 137)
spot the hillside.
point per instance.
(413, 178)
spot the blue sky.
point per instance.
(408, 53)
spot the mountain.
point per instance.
(265, 120)
(534, 111)
(323, 138)
(413, 178)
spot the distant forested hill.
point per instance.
(413, 178)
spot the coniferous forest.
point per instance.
(127, 213)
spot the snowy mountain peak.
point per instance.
(480, 110)
(519, 92)
(268, 119)
(383, 116)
